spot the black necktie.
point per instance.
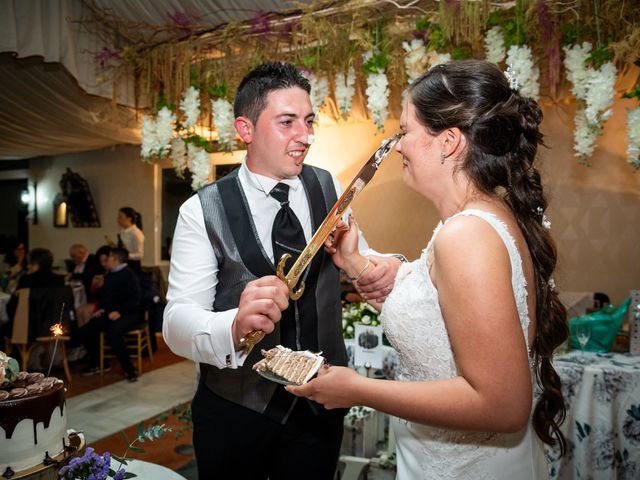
(287, 237)
(287, 234)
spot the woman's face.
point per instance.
(123, 220)
(419, 149)
(20, 251)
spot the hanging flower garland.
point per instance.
(415, 60)
(633, 138)
(179, 158)
(223, 119)
(594, 91)
(190, 106)
(520, 59)
(494, 45)
(377, 90)
(199, 165)
(156, 135)
(319, 88)
(344, 91)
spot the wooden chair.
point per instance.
(22, 337)
(136, 341)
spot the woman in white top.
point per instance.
(131, 236)
(475, 319)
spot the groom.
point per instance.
(222, 286)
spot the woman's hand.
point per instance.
(342, 245)
(333, 387)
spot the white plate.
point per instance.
(275, 378)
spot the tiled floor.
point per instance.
(104, 411)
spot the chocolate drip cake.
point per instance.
(295, 367)
(33, 423)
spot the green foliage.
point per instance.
(513, 35)
(422, 24)
(378, 62)
(220, 90)
(199, 141)
(163, 102)
(600, 55)
(569, 34)
(436, 38)
(494, 19)
(460, 53)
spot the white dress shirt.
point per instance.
(190, 329)
(133, 240)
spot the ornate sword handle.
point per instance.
(293, 294)
(250, 339)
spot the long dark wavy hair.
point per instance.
(502, 131)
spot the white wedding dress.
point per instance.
(413, 323)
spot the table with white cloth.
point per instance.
(149, 471)
(602, 426)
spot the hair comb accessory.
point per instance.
(511, 77)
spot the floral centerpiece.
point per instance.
(9, 370)
(353, 313)
(92, 466)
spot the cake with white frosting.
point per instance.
(297, 367)
(33, 423)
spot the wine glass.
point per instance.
(583, 334)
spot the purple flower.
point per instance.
(119, 474)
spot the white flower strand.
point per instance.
(594, 90)
(319, 90)
(378, 97)
(520, 59)
(345, 91)
(200, 166)
(415, 61)
(494, 45)
(179, 156)
(223, 119)
(633, 137)
(157, 135)
(190, 106)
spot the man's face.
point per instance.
(112, 262)
(77, 255)
(278, 143)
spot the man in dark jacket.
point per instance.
(118, 312)
(85, 266)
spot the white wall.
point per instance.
(116, 178)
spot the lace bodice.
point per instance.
(414, 325)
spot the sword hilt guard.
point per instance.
(293, 294)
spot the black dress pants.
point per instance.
(114, 332)
(232, 441)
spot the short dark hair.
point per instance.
(251, 97)
(122, 254)
(103, 250)
(41, 257)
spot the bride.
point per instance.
(475, 319)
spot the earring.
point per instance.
(441, 158)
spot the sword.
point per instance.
(356, 186)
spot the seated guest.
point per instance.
(118, 312)
(84, 267)
(85, 312)
(39, 275)
(17, 263)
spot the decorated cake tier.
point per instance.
(33, 423)
(295, 367)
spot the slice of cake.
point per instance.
(33, 422)
(295, 367)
